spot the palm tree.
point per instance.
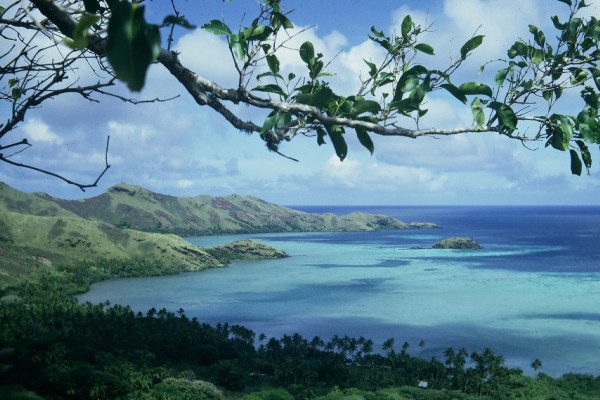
(536, 364)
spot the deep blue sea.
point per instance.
(532, 292)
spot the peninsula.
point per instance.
(129, 222)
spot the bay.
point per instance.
(532, 292)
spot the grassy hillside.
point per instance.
(128, 222)
(134, 207)
(29, 243)
(26, 203)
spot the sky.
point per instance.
(182, 149)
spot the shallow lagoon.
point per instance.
(532, 292)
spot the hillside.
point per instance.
(134, 207)
(127, 222)
(31, 243)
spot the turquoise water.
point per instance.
(532, 292)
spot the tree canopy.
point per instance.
(54, 45)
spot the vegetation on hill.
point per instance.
(458, 243)
(33, 243)
(133, 207)
(138, 208)
(51, 347)
(128, 223)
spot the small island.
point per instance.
(458, 243)
(245, 250)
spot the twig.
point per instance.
(64, 179)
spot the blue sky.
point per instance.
(182, 149)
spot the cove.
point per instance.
(528, 294)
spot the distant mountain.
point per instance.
(134, 207)
(128, 222)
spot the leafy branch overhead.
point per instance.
(520, 102)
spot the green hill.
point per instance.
(39, 232)
(30, 203)
(138, 208)
(31, 243)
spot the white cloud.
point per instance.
(500, 22)
(130, 131)
(185, 183)
(38, 131)
(335, 40)
(207, 55)
(181, 148)
(342, 174)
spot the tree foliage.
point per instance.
(522, 102)
(53, 347)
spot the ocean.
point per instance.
(533, 291)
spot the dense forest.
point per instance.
(52, 347)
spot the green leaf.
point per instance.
(260, 76)
(282, 119)
(372, 68)
(424, 48)
(562, 134)
(567, 2)
(132, 44)
(590, 131)
(406, 26)
(576, 165)
(273, 63)
(538, 56)
(16, 93)
(410, 84)
(558, 92)
(271, 88)
(278, 19)
(269, 122)
(307, 53)
(404, 106)
(321, 136)
(585, 154)
(478, 114)
(365, 140)
(409, 80)
(384, 78)
(519, 48)
(217, 27)
(361, 106)
(336, 134)
(454, 91)
(578, 76)
(80, 33)
(471, 45)
(376, 32)
(501, 76)
(239, 45)
(258, 33)
(538, 36)
(181, 21)
(475, 88)
(547, 95)
(556, 22)
(506, 114)
(573, 27)
(320, 98)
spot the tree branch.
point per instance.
(54, 174)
